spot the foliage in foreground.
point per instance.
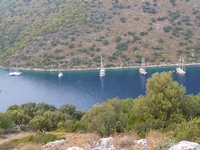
(109, 117)
(38, 138)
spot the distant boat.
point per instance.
(181, 68)
(60, 74)
(142, 70)
(102, 70)
(14, 73)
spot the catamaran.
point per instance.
(181, 68)
(142, 70)
(102, 70)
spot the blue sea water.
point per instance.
(83, 88)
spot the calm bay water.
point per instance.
(83, 88)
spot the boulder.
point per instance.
(185, 145)
(104, 144)
(54, 144)
(74, 148)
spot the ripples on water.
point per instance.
(83, 88)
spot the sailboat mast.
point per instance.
(101, 63)
(181, 63)
(143, 63)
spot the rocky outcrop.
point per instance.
(185, 145)
(74, 148)
(108, 144)
(104, 144)
(54, 144)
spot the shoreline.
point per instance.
(111, 68)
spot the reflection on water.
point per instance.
(102, 83)
(143, 81)
(181, 79)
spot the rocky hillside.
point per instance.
(75, 33)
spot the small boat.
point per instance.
(142, 70)
(14, 73)
(181, 68)
(102, 70)
(60, 74)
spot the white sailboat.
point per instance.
(102, 70)
(181, 68)
(142, 70)
(14, 72)
(60, 74)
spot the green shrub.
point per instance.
(143, 33)
(123, 19)
(71, 45)
(98, 49)
(105, 42)
(153, 19)
(122, 46)
(179, 52)
(181, 43)
(189, 131)
(118, 39)
(160, 41)
(38, 138)
(161, 18)
(173, 2)
(173, 16)
(167, 29)
(135, 48)
(185, 19)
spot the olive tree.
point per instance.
(28, 108)
(161, 105)
(67, 108)
(38, 122)
(19, 116)
(6, 121)
(106, 118)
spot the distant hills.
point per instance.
(75, 33)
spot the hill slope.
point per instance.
(75, 33)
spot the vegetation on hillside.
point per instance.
(75, 33)
(165, 108)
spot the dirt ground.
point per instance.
(15, 136)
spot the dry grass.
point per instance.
(155, 141)
(29, 146)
